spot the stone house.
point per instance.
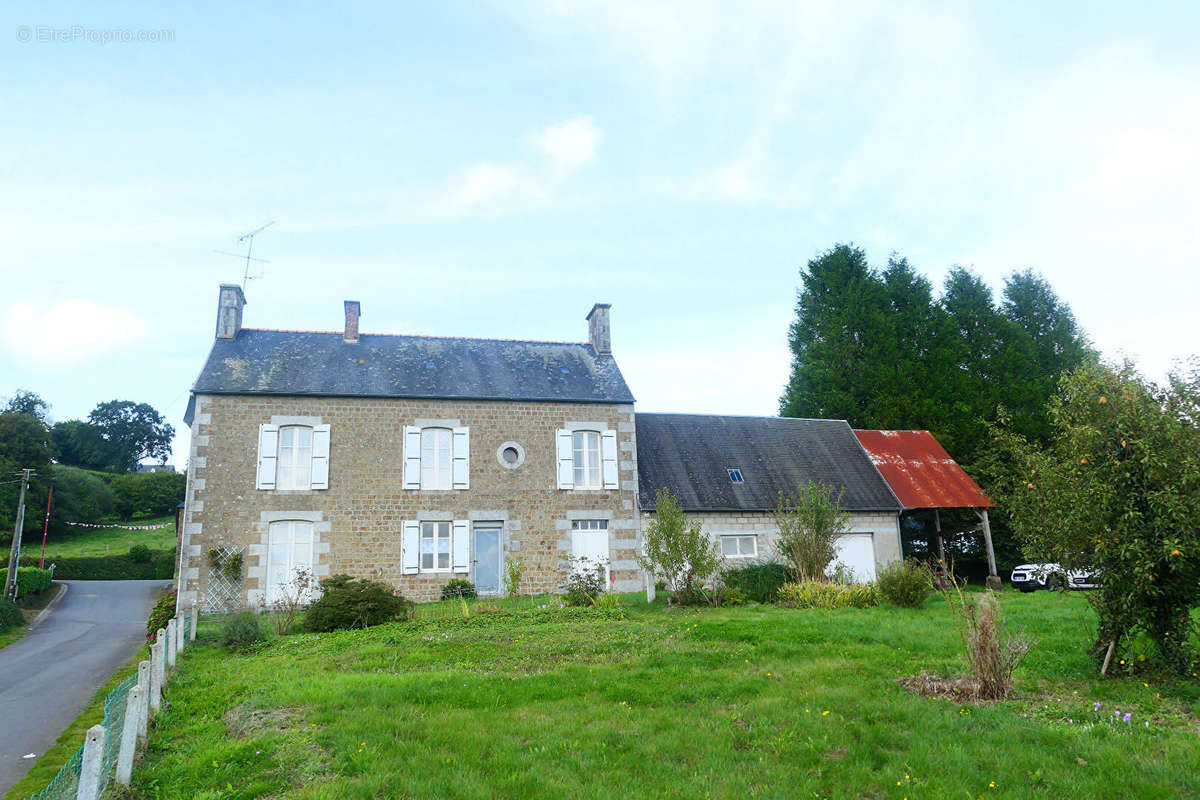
(412, 460)
(416, 460)
(728, 472)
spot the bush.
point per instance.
(584, 583)
(759, 582)
(162, 612)
(242, 632)
(161, 566)
(992, 654)
(823, 594)
(30, 580)
(459, 587)
(10, 615)
(79, 496)
(678, 549)
(732, 596)
(348, 603)
(139, 554)
(152, 494)
(810, 523)
(905, 584)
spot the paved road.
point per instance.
(49, 676)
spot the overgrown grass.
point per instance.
(31, 606)
(741, 702)
(103, 541)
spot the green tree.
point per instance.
(133, 431)
(24, 443)
(81, 444)
(810, 523)
(25, 402)
(1117, 487)
(677, 549)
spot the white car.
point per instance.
(1031, 577)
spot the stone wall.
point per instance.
(358, 519)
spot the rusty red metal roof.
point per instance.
(920, 471)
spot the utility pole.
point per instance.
(14, 557)
(46, 525)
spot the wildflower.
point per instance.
(991, 784)
(1147, 723)
(1127, 716)
(1096, 706)
(1116, 713)
(824, 713)
(1145, 684)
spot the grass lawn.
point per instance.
(103, 541)
(741, 702)
(31, 606)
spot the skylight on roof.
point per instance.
(735, 475)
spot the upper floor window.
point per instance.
(587, 459)
(293, 457)
(437, 457)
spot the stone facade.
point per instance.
(884, 527)
(358, 520)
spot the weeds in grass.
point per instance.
(824, 594)
(291, 598)
(992, 653)
(513, 570)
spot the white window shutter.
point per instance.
(320, 457)
(462, 458)
(608, 451)
(412, 457)
(410, 545)
(566, 461)
(268, 455)
(460, 546)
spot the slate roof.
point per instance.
(920, 471)
(690, 453)
(304, 363)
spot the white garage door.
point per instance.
(856, 552)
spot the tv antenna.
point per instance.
(248, 238)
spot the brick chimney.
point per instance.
(229, 311)
(352, 312)
(599, 333)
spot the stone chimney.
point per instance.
(352, 312)
(599, 333)
(229, 311)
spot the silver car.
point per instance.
(1031, 577)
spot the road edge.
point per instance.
(45, 612)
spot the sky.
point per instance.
(492, 169)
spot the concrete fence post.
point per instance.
(92, 766)
(129, 736)
(172, 626)
(195, 616)
(157, 671)
(143, 683)
(181, 634)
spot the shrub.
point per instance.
(162, 612)
(459, 587)
(153, 494)
(905, 584)
(79, 496)
(809, 523)
(732, 596)
(678, 549)
(584, 583)
(759, 582)
(513, 569)
(992, 654)
(348, 603)
(242, 631)
(824, 594)
(161, 566)
(139, 554)
(290, 599)
(10, 614)
(30, 580)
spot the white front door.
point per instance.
(289, 548)
(589, 539)
(856, 552)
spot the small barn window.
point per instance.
(735, 475)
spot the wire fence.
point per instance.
(65, 785)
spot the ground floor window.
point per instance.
(435, 546)
(289, 550)
(739, 546)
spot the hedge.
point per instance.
(30, 580)
(160, 566)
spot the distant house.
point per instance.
(729, 471)
(155, 468)
(415, 460)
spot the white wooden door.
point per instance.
(856, 552)
(589, 539)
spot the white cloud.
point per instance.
(490, 187)
(570, 144)
(68, 332)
